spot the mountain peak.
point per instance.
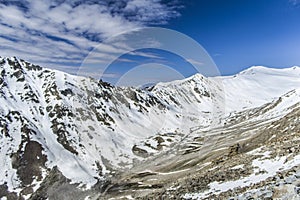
(263, 69)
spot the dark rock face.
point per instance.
(138, 151)
(9, 195)
(29, 162)
(234, 149)
(57, 186)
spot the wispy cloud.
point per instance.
(195, 62)
(62, 32)
(294, 2)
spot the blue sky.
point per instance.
(237, 34)
(242, 33)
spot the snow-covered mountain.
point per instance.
(64, 131)
(258, 85)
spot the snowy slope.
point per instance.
(258, 85)
(88, 128)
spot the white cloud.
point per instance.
(55, 32)
(149, 11)
(195, 62)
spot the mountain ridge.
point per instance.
(84, 131)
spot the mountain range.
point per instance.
(69, 137)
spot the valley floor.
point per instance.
(246, 159)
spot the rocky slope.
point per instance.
(255, 155)
(193, 138)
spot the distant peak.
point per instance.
(197, 76)
(254, 68)
(263, 69)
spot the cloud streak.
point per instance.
(57, 33)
